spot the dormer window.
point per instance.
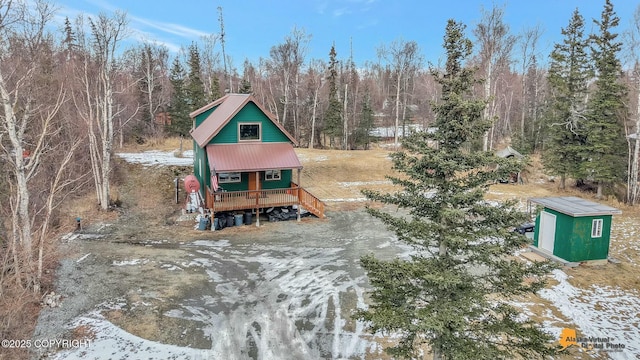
(249, 132)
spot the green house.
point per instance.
(244, 159)
(572, 228)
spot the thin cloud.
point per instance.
(170, 28)
(340, 12)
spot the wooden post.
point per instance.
(298, 191)
(257, 198)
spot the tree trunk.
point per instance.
(345, 119)
(313, 118)
(599, 191)
(21, 215)
(487, 109)
(634, 186)
(395, 139)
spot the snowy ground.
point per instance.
(290, 298)
(286, 291)
(263, 301)
(159, 158)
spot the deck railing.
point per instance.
(259, 199)
(309, 202)
(251, 199)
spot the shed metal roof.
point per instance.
(256, 156)
(575, 206)
(507, 152)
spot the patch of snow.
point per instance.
(170, 267)
(130, 262)
(361, 183)
(69, 237)
(110, 340)
(604, 312)
(346, 199)
(158, 158)
(82, 258)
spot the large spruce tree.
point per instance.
(333, 116)
(605, 148)
(454, 292)
(195, 86)
(180, 107)
(569, 73)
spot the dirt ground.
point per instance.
(125, 264)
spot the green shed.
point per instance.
(572, 228)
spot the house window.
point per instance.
(226, 178)
(596, 228)
(249, 132)
(271, 175)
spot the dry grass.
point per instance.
(158, 143)
(336, 174)
(19, 310)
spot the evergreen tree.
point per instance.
(247, 73)
(361, 133)
(605, 147)
(568, 77)
(453, 293)
(195, 86)
(245, 87)
(215, 89)
(70, 41)
(180, 106)
(333, 116)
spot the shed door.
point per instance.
(547, 231)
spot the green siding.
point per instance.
(251, 113)
(573, 241)
(201, 167)
(243, 185)
(284, 182)
(584, 247)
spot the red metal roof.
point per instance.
(252, 157)
(228, 106)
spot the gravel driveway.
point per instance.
(285, 290)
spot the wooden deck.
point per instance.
(260, 199)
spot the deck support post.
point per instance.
(257, 198)
(298, 192)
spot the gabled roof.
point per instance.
(254, 156)
(507, 152)
(227, 107)
(575, 206)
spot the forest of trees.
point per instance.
(71, 96)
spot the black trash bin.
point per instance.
(248, 218)
(230, 220)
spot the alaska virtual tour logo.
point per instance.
(568, 338)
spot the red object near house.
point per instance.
(191, 184)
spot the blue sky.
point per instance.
(252, 27)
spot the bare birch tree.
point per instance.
(317, 79)
(30, 101)
(405, 59)
(528, 52)
(633, 37)
(496, 45)
(95, 103)
(286, 61)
